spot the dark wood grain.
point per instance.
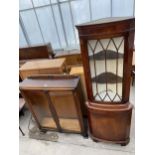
(109, 121)
(36, 52)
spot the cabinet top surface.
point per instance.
(76, 70)
(106, 20)
(50, 83)
(43, 64)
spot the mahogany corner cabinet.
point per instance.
(107, 49)
(55, 102)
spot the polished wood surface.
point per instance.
(109, 121)
(51, 82)
(50, 66)
(55, 102)
(78, 70)
(36, 52)
(72, 59)
(22, 62)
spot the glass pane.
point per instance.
(62, 0)
(41, 2)
(122, 8)
(68, 117)
(41, 109)
(81, 13)
(59, 25)
(25, 4)
(32, 28)
(80, 10)
(22, 40)
(100, 9)
(106, 66)
(53, 1)
(68, 24)
(47, 26)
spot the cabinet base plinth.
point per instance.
(122, 143)
(109, 122)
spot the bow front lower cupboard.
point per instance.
(107, 49)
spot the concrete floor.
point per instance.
(69, 144)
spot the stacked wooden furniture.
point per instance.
(48, 66)
(35, 52)
(78, 70)
(107, 49)
(73, 58)
(55, 102)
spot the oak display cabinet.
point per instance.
(107, 49)
(55, 102)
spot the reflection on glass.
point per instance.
(62, 103)
(106, 66)
(68, 117)
(41, 109)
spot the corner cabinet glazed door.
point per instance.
(106, 68)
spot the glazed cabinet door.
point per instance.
(41, 109)
(65, 106)
(106, 68)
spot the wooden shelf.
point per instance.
(65, 123)
(110, 54)
(48, 122)
(107, 78)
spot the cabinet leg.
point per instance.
(95, 140)
(21, 131)
(43, 131)
(124, 144)
(85, 135)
